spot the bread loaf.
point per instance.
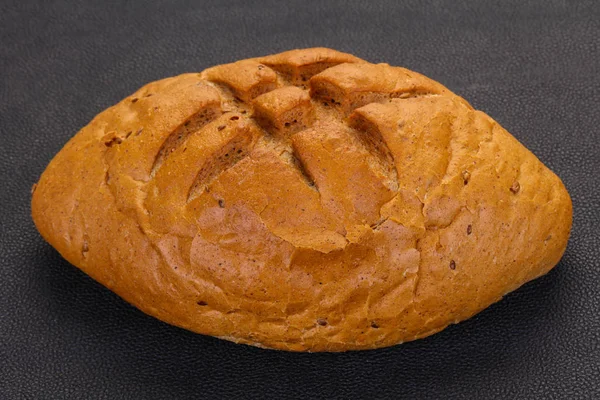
(303, 201)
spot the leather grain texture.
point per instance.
(532, 65)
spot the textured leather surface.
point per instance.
(532, 65)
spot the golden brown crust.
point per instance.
(307, 200)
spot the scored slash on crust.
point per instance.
(248, 109)
(255, 91)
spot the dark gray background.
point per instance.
(532, 65)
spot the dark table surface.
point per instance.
(533, 65)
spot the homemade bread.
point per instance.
(305, 201)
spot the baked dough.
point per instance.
(303, 201)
